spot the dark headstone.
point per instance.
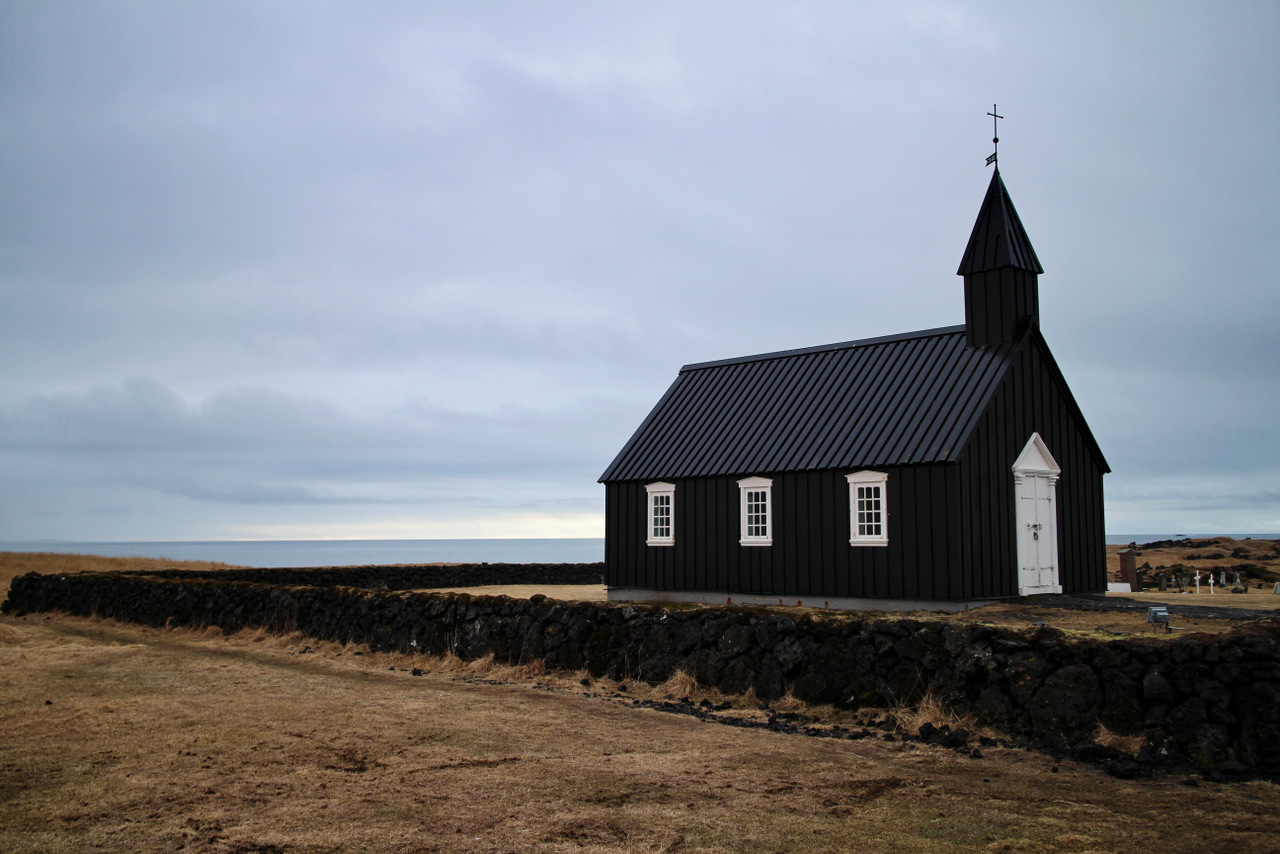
(1128, 572)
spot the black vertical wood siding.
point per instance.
(1032, 398)
(810, 555)
(996, 304)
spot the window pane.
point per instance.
(869, 510)
(661, 516)
(757, 513)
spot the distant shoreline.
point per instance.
(30, 545)
(1125, 539)
(303, 553)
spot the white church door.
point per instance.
(1035, 477)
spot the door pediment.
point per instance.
(1036, 459)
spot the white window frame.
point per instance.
(746, 486)
(656, 492)
(868, 479)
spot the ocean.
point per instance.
(288, 553)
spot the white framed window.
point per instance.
(756, 511)
(662, 514)
(868, 508)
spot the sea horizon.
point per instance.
(263, 554)
(305, 553)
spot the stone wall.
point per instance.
(1207, 701)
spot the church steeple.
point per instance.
(1000, 269)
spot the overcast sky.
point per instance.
(295, 270)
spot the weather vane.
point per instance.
(995, 136)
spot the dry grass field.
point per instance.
(567, 592)
(122, 738)
(13, 564)
(1104, 625)
(1267, 602)
(1257, 560)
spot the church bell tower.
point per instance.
(1001, 271)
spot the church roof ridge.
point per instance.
(824, 348)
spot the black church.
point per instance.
(931, 468)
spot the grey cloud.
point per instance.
(405, 253)
(143, 416)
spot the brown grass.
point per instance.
(123, 738)
(567, 592)
(1255, 600)
(13, 564)
(1130, 744)
(911, 716)
(680, 684)
(1106, 625)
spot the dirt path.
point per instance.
(121, 738)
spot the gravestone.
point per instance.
(1128, 574)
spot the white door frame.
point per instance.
(1035, 479)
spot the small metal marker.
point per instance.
(1158, 615)
(995, 136)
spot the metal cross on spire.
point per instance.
(995, 136)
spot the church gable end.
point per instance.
(1032, 399)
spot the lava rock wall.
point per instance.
(1207, 701)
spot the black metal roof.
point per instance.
(900, 399)
(998, 238)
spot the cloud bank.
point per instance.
(298, 270)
